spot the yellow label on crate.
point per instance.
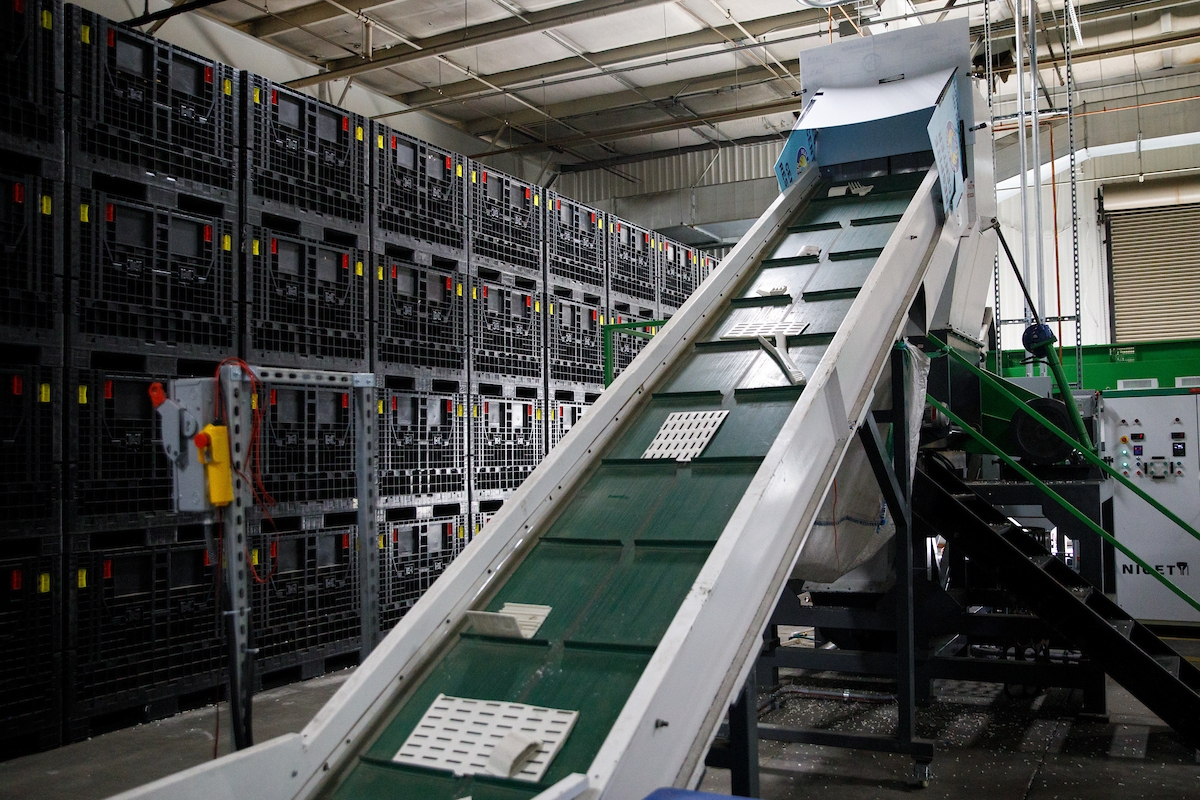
(474, 411)
(254, 402)
(47, 205)
(381, 273)
(81, 579)
(380, 542)
(83, 212)
(552, 309)
(474, 293)
(227, 242)
(458, 171)
(537, 414)
(600, 224)
(358, 134)
(85, 34)
(256, 95)
(473, 177)
(460, 290)
(537, 307)
(462, 532)
(536, 200)
(47, 20)
(254, 247)
(254, 556)
(601, 319)
(380, 141)
(358, 268)
(461, 410)
(44, 393)
(83, 395)
(228, 87)
(380, 406)
(43, 582)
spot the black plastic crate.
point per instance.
(151, 107)
(31, 264)
(144, 622)
(420, 311)
(506, 221)
(419, 196)
(304, 588)
(679, 270)
(31, 77)
(31, 603)
(306, 287)
(482, 512)
(416, 544)
(624, 346)
(706, 266)
(508, 436)
(153, 267)
(31, 388)
(422, 451)
(566, 405)
(303, 154)
(307, 446)
(574, 342)
(117, 475)
(507, 324)
(632, 261)
(575, 243)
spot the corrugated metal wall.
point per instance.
(731, 164)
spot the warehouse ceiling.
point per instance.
(588, 83)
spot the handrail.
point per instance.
(1091, 457)
(1057, 498)
(630, 328)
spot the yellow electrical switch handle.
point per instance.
(212, 448)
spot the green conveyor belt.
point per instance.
(621, 556)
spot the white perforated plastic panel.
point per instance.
(512, 620)
(457, 734)
(768, 328)
(685, 434)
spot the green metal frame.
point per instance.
(642, 329)
(997, 386)
(1105, 364)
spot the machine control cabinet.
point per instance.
(1152, 440)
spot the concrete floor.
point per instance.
(1009, 748)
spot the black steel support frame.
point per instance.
(894, 481)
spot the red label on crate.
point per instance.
(274, 246)
(207, 560)
(17, 580)
(19, 6)
(485, 291)
(274, 397)
(208, 233)
(448, 164)
(449, 406)
(208, 75)
(345, 261)
(526, 192)
(394, 400)
(110, 213)
(18, 193)
(449, 283)
(18, 385)
(345, 541)
(274, 549)
(485, 177)
(108, 390)
(345, 123)
(485, 408)
(345, 400)
(528, 301)
(112, 38)
(593, 314)
(393, 142)
(393, 271)
(108, 569)
(274, 97)
(529, 409)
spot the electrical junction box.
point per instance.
(1148, 437)
(185, 412)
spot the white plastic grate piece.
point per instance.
(458, 734)
(513, 620)
(685, 434)
(752, 329)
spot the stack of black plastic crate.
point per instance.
(507, 335)
(419, 254)
(576, 275)
(307, 289)
(678, 275)
(152, 271)
(31, 386)
(633, 284)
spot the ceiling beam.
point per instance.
(646, 95)
(613, 134)
(634, 158)
(487, 33)
(617, 55)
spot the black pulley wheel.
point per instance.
(1032, 441)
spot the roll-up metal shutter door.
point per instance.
(1156, 272)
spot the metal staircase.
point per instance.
(1079, 612)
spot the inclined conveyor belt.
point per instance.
(617, 562)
